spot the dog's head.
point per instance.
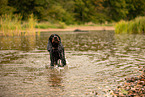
(55, 40)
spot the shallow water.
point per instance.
(96, 63)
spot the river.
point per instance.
(97, 62)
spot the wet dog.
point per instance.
(56, 50)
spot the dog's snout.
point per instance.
(55, 37)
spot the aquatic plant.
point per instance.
(10, 24)
(136, 26)
(121, 27)
(31, 22)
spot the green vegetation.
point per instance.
(46, 25)
(75, 11)
(11, 25)
(30, 14)
(136, 26)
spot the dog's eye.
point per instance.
(55, 37)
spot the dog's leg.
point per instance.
(56, 62)
(59, 63)
(49, 46)
(63, 61)
(62, 57)
(51, 58)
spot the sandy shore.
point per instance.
(81, 28)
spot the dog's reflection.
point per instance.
(55, 83)
(55, 78)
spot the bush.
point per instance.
(121, 27)
(136, 26)
(62, 25)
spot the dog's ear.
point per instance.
(49, 45)
(50, 38)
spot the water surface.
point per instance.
(97, 62)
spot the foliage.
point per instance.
(27, 7)
(5, 8)
(121, 27)
(134, 26)
(60, 14)
(89, 11)
(74, 11)
(31, 22)
(117, 9)
(11, 25)
(135, 8)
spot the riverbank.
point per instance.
(13, 25)
(88, 28)
(82, 28)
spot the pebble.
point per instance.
(134, 87)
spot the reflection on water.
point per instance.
(71, 41)
(96, 63)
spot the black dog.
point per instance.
(56, 50)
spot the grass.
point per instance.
(13, 25)
(46, 25)
(136, 26)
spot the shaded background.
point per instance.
(75, 11)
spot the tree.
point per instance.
(135, 8)
(116, 9)
(27, 7)
(4, 8)
(99, 11)
(60, 10)
(89, 11)
(75, 11)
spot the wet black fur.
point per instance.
(56, 50)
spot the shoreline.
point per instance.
(70, 29)
(88, 28)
